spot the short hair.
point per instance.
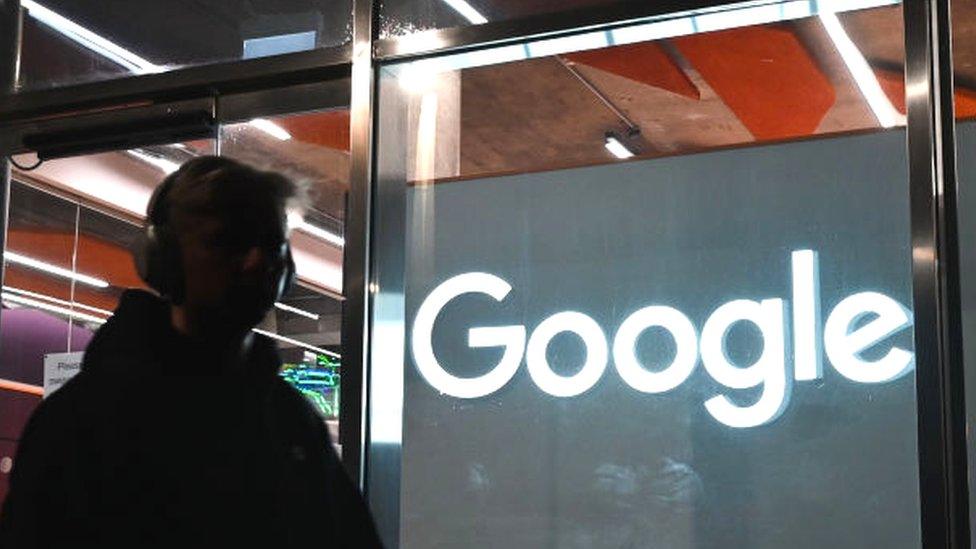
(234, 193)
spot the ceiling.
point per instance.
(687, 94)
(171, 33)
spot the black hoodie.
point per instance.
(154, 444)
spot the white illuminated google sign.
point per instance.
(856, 324)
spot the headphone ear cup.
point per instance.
(159, 263)
(142, 248)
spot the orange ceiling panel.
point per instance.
(96, 257)
(645, 62)
(329, 129)
(54, 247)
(765, 76)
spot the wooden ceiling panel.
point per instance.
(528, 116)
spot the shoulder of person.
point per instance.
(58, 414)
(291, 401)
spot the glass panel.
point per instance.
(75, 41)
(72, 222)
(404, 17)
(964, 60)
(653, 288)
(311, 147)
(40, 243)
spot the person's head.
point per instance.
(217, 246)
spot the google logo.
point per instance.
(856, 324)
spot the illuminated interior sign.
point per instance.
(857, 323)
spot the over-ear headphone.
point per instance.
(157, 254)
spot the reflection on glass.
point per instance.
(72, 223)
(649, 286)
(657, 89)
(405, 17)
(313, 148)
(73, 41)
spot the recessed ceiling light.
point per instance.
(467, 11)
(617, 148)
(270, 128)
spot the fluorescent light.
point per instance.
(617, 148)
(166, 165)
(296, 310)
(863, 75)
(467, 11)
(19, 259)
(38, 304)
(90, 40)
(296, 221)
(295, 342)
(56, 300)
(11, 295)
(271, 128)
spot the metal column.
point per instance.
(940, 384)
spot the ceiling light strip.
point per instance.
(297, 343)
(90, 40)
(55, 300)
(467, 11)
(296, 310)
(270, 128)
(617, 148)
(39, 265)
(320, 233)
(38, 304)
(865, 78)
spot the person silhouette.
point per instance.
(178, 431)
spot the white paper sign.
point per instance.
(59, 368)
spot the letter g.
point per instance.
(510, 337)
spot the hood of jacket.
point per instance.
(139, 339)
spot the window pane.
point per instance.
(72, 223)
(40, 243)
(653, 287)
(313, 148)
(404, 17)
(74, 41)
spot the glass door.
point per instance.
(78, 205)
